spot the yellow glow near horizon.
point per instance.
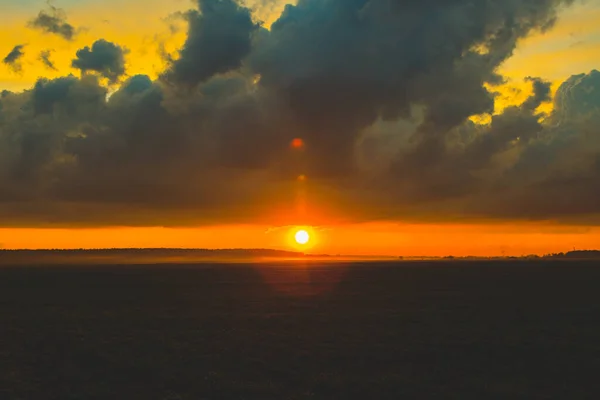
(376, 238)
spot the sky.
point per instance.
(392, 127)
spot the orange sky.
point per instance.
(359, 239)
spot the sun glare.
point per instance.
(302, 237)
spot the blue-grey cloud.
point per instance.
(44, 57)
(104, 57)
(219, 37)
(13, 58)
(54, 21)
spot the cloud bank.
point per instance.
(380, 91)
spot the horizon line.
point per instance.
(286, 252)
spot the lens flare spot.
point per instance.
(297, 143)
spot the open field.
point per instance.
(301, 330)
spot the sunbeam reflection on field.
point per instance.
(302, 278)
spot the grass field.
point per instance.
(408, 330)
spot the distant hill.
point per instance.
(57, 256)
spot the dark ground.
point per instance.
(497, 330)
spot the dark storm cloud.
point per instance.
(515, 124)
(13, 58)
(219, 37)
(523, 164)
(380, 91)
(45, 59)
(541, 93)
(341, 64)
(578, 97)
(470, 157)
(558, 172)
(105, 58)
(54, 21)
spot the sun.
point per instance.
(302, 237)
